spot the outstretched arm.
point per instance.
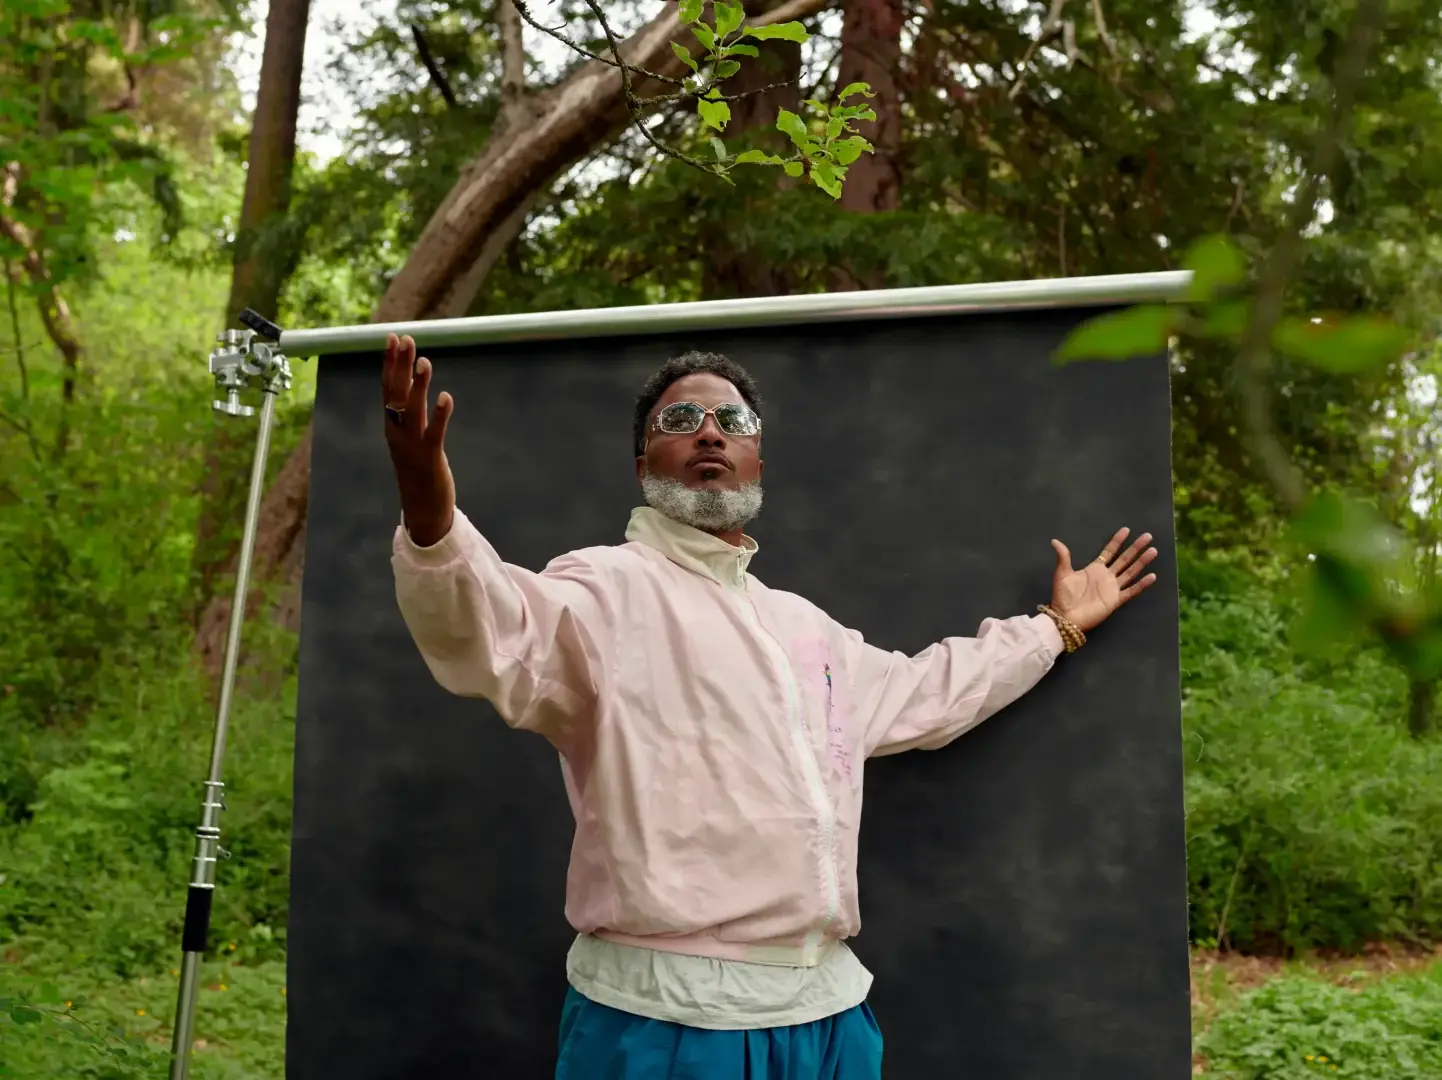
(526, 642)
(925, 701)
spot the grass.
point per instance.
(122, 1029)
(1376, 1016)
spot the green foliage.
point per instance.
(1120, 335)
(1299, 1028)
(65, 144)
(120, 1031)
(1312, 819)
(825, 145)
(1362, 570)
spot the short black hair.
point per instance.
(691, 363)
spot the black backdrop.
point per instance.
(1023, 891)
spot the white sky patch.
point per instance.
(327, 109)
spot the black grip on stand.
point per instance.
(197, 919)
(260, 324)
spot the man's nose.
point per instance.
(710, 434)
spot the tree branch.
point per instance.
(633, 103)
(513, 58)
(1254, 360)
(10, 274)
(1049, 29)
(54, 311)
(614, 60)
(438, 77)
(131, 98)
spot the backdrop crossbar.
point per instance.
(1100, 291)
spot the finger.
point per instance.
(419, 396)
(1134, 590)
(1129, 574)
(436, 429)
(1063, 557)
(1114, 545)
(1132, 553)
(396, 373)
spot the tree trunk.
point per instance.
(871, 53)
(258, 274)
(560, 127)
(729, 271)
(54, 311)
(1421, 707)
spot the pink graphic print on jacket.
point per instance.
(824, 684)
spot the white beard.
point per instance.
(704, 509)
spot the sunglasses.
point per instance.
(686, 418)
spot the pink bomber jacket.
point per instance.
(713, 732)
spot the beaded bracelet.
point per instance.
(1071, 634)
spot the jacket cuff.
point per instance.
(443, 552)
(1050, 636)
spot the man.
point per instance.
(713, 733)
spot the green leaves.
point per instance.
(684, 55)
(1217, 265)
(728, 17)
(1342, 346)
(825, 147)
(26, 1014)
(714, 114)
(828, 177)
(1119, 335)
(793, 127)
(848, 150)
(790, 31)
(1362, 579)
(1215, 311)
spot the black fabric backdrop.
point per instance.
(1023, 891)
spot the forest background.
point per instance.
(164, 163)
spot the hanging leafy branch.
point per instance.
(825, 142)
(1362, 572)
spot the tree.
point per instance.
(562, 124)
(1361, 577)
(78, 118)
(265, 253)
(871, 54)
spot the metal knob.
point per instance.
(231, 406)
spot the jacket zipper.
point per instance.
(820, 799)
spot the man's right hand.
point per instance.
(417, 443)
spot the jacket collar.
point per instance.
(697, 551)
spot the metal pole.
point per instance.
(233, 368)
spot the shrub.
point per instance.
(1301, 1028)
(1313, 819)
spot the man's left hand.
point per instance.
(1088, 596)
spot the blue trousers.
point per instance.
(601, 1043)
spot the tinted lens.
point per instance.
(737, 420)
(681, 418)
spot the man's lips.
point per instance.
(714, 460)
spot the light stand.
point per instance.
(242, 360)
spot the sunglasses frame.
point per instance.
(705, 412)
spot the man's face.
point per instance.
(707, 459)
